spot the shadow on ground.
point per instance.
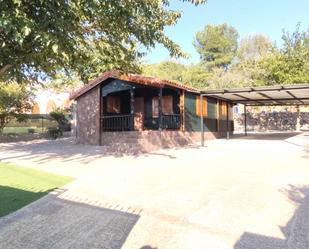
(12, 199)
(296, 231)
(52, 222)
(66, 150)
(267, 136)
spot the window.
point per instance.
(155, 107)
(113, 104)
(223, 108)
(198, 106)
(167, 105)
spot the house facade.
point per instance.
(128, 107)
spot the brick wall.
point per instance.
(88, 117)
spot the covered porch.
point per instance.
(128, 106)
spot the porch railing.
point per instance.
(117, 123)
(171, 121)
(125, 122)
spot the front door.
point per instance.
(139, 113)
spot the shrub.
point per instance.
(31, 131)
(59, 115)
(54, 133)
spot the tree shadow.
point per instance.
(296, 230)
(66, 150)
(12, 199)
(306, 156)
(267, 136)
(53, 222)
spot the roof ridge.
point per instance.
(137, 78)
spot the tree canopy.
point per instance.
(257, 61)
(40, 39)
(217, 45)
(254, 47)
(193, 75)
(15, 99)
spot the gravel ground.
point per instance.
(244, 193)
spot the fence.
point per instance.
(35, 123)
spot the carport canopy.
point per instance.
(297, 94)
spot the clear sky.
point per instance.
(247, 16)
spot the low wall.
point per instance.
(271, 121)
(12, 138)
(146, 141)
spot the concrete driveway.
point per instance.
(245, 193)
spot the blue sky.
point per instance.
(248, 17)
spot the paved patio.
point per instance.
(243, 193)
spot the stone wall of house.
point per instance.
(271, 121)
(146, 141)
(88, 117)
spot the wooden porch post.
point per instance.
(182, 110)
(132, 107)
(100, 114)
(160, 108)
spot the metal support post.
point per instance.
(245, 113)
(227, 122)
(202, 120)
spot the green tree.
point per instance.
(196, 76)
(232, 78)
(251, 52)
(192, 75)
(254, 47)
(168, 70)
(15, 100)
(217, 45)
(40, 39)
(288, 65)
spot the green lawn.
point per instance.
(21, 130)
(20, 186)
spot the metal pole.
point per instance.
(42, 124)
(75, 118)
(298, 118)
(245, 113)
(202, 120)
(227, 122)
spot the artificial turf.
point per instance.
(20, 186)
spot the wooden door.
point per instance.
(139, 113)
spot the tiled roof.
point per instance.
(135, 78)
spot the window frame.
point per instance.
(113, 104)
(198, 106)
(155, 107)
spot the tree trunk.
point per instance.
(4, 69)
(4, 119)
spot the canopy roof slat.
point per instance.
(268, 95)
